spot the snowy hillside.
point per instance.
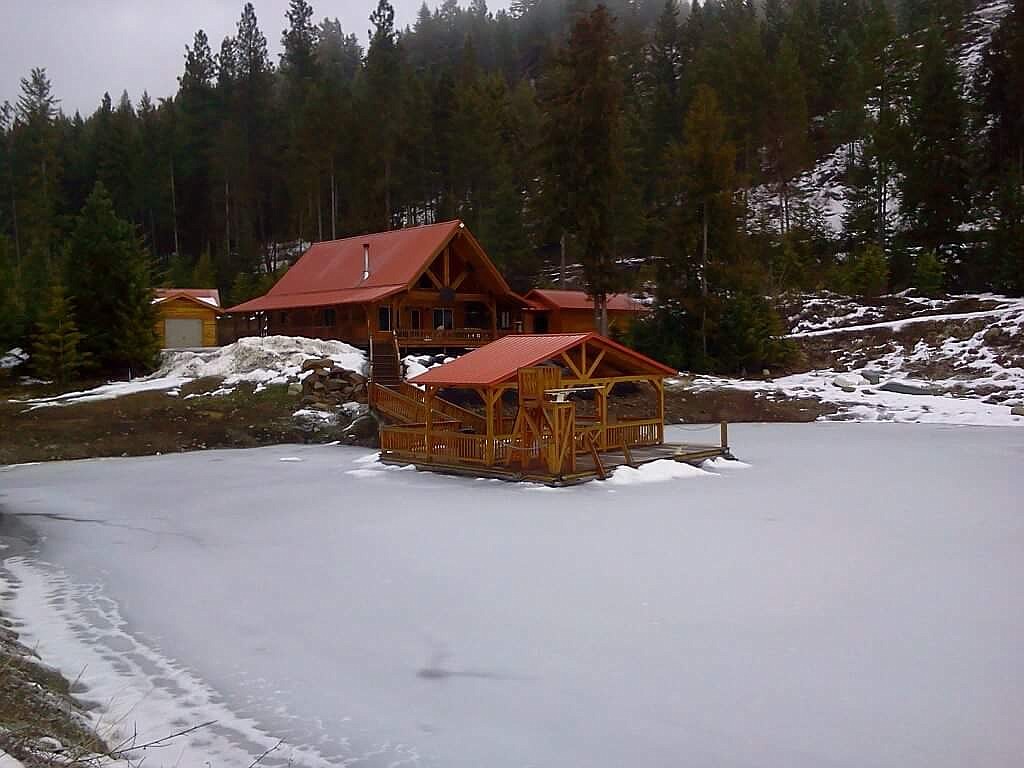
(957, 360)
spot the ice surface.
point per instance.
(850, 599)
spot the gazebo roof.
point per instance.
(500, 361)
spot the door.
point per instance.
(183, 332)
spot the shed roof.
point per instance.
(331, 272)
(204, 297)
(501, 360)
(559, 299)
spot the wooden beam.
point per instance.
(459, 280)
(433, 278)
(597, 362)
(446, 270)
(572, 366)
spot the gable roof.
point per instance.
(331, 272)
(557, 299)
(204, 297)
(501, 360)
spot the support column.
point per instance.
(659, 384)
(428, 400)
(489, 443)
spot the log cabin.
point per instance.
(430, 286)
(425, 286)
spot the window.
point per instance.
(330, 317)
(415, 320)
(444, 319)
(384, 318)
(284, 318)
(504, 319)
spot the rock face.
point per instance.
(327, 384)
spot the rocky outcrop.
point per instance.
(326, 384)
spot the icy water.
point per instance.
(851, 599)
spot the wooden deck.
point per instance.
(690, 453)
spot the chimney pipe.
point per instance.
(366, 260)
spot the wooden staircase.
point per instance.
(385, 365)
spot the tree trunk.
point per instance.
(227, 222)
(334, 204)
(319, 212)
(387, 194)
(704, 283)
(561, 274)
(174, 212)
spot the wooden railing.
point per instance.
(450, 446)
(634, 433)
(397, 405)
(445, 336)
(471, 419)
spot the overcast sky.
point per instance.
(92, 46)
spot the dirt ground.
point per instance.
(152, 422)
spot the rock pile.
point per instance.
(328, 384)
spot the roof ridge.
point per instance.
(385, 232)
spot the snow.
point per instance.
(850, 599)
(263, 360)
(6, 761)
(655, 472)
(12, 358)
(898, 325)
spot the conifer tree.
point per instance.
(109, 275)
(584, 134)
(935, 182)
(55, 346)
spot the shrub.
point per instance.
(929, 274)
(866, 273)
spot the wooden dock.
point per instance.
(586, 470)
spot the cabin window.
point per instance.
(444, 319)
(415, 320)
(284, 318)
(504, 319)
(384, 318)
(330, 317)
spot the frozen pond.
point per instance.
(851, 599)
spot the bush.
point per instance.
(866, 272)
(749, 336)
(929, 274)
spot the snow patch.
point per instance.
(655, 472)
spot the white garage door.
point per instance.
(183, 332)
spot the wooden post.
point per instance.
(602, 414)
(659, 384)
(489, 443)
(725, 436)
(428, 400)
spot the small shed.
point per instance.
(187, 317)
(558, 311)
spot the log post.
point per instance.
(725, 436)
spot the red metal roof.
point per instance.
(331, 272)
(316, 299)
(206, 297)
(555, 299)
(501, 360)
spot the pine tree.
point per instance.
(702, 173)
(55, 346)
(789, 147)
(935, 181)
(203, 274)
(583, 132)
(385, 94)
(109, 276)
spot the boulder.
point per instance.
(295, 388)
(318, 362)
(910, 387)
(873, 375)
(1017, 410)
(848, 382)
(49, 744)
